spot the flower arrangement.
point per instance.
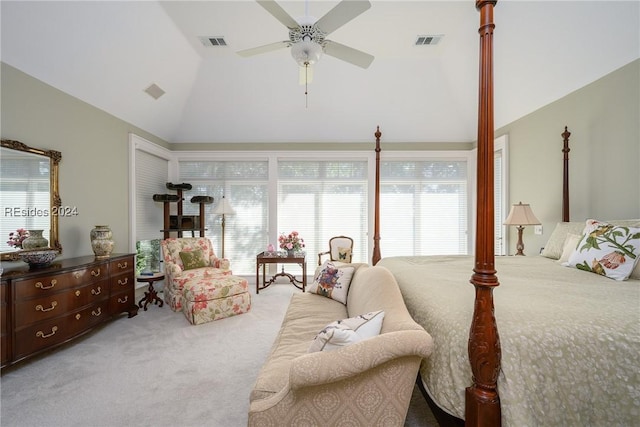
(291, 241)
(17, 237)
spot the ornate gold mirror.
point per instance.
(29, 195)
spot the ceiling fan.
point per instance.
(307, 37)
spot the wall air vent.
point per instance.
(211, 41)
(428, 40)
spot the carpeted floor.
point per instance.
(155, 369)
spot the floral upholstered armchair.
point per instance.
(188, 259)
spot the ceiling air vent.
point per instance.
(428, 40)
(213, 41)
(154, 91)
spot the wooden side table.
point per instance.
(150, 295)
(262, 260)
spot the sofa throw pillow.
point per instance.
(193, 259)
(332, 281)
(570, 245)
(344, 332)
(344, 254)
(606, 249)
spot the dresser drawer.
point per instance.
(55, 331)
(49, 306)
(121, 265)
(54, 283)
(123, 301)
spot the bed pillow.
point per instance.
(332, 281)
(635, 274)
(342, 333)
(570, 245)
(555, 244)
(193, 259)
(606, 249)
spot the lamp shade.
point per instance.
(224, 208)
(521, 214)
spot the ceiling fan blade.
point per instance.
(342, 13)
(279, 13)
(264, 49)
(348, 54)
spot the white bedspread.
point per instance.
(570, 339)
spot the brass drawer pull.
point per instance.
(123, 282)
(122, 301)
(39, 307)
(123, 265)
(95, 273)
(77, 293)
(41, 334)
(96, 291)
(97, 312)
(78, 274)
(78, 316)
(43, 287)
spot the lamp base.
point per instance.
(520, 245)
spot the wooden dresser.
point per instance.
(43, 308)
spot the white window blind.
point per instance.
(423, 207)
(245, 186)
(152, 174)
(25, 196)
(321, 199)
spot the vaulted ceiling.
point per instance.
(107, 53)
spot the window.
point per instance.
(245, 185)
(321, 199)
(423, 207)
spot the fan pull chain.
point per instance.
(306, 80)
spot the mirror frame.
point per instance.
(54, 193)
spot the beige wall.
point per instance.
(94, 174)
(602, 117)
(604, 162)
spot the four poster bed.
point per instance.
(569, 345)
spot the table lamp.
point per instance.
(521, 215)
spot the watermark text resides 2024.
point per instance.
(24, 212)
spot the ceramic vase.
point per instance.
(102, 241)
(35, 241)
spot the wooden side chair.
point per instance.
(340, 249)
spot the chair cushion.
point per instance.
(214, 287)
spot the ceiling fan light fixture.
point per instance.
(306, 52)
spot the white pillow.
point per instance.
(344, 332)
(332, 281)
(555, 244)
(570, 245)
(607, 249)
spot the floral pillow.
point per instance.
(606, 249)
(332, 281)
(193, 259)
(342, 333)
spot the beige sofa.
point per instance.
(368, 383)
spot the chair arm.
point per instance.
(221, 263)
(329, 366)
(172, 269)
(320, 256)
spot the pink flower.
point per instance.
(613, 260)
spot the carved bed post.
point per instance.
(482, 403)
(376, 222)
(565, 176)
